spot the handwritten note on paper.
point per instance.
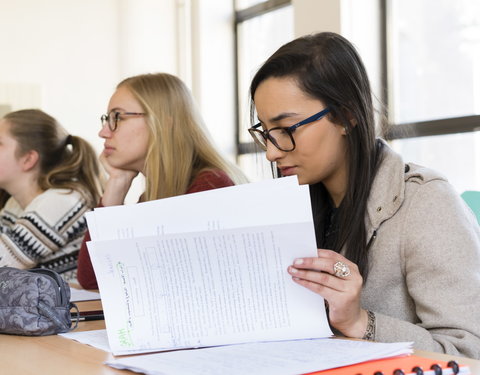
(206, 288)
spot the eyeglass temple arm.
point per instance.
(313, 118)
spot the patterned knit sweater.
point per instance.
(47, 233)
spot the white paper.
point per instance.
(207, 288)
(77, 295)
(96, 338)
(276, 358)
(262, 203)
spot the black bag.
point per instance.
(34, 302)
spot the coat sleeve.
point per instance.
(441, 247)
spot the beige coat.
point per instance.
(424, 280)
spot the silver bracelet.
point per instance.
(370, 331)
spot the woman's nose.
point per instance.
(273, 153)
(105, 132)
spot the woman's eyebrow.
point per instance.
(116, 109)
(282, 116)
(279, 117)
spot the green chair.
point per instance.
(473, 200)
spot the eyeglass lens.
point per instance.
(110, 120)
(279, 137)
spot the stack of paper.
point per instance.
(206, 269)
(275, 358)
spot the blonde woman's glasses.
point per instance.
(114, 117)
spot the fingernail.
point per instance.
(298, 261)
(293, 270)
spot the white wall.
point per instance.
(312, 16)
(64, 53)
(147, 37)
(66, 56)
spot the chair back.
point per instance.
(472, 198)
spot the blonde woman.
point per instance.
(153, 127)
(48, 179)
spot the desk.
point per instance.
(56, 355)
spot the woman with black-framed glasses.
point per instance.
(399, 251)
(152, 127)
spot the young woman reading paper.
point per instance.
(398, 250)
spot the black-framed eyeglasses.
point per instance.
(282, 138)
(113, 117)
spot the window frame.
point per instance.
(242, 15)
(441, 126)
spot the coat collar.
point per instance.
(388, 189)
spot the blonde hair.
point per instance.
(179, 145)
(65, 161)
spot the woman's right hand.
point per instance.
(118, 183)
(341, 292)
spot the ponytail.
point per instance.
(77, 169)
(65, 161)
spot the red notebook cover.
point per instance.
(389, 366)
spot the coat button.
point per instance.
(379, 209)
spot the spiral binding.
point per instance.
(417, 370)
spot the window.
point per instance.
(433, 65)
(436, 47)
(260, 29)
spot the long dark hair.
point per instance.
(327, 67)
(66, 161)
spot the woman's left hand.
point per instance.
(341, 292)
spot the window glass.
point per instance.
(255, 166)
(456, 156)
(258, 38)
(434, 59)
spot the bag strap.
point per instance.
(51, 314)
(77, 316)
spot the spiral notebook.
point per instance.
(409, 365)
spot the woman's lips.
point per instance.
(107, 150)
(287, 171)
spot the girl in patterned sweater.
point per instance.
(48, 180)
